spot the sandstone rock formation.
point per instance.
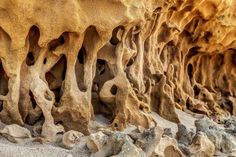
(64, 62)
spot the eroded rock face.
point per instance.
(66, 61)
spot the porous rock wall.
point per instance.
(66, 61)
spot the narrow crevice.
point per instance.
(131, 61)
(1, 105)
(79, 69)
(81, 55)
(190, 71)
(33, 102)
(3, 81)
(33, 36)
(196, 90)
(101, 66)
(45, 61)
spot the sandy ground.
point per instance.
(34, 149)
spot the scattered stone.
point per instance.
(184, 136)
(222, 140)
(172, 151)
(15, 133)
(165, 142)
(149, 139)
(70, 138)
(201, 146)
(96, 141)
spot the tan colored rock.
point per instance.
(70, 138)
(148, 139)
(171, 151)
(15, 133)
(168, 147)
(96, 141)
(202, 146)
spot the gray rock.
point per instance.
(223, 141)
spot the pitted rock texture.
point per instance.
(66, 61)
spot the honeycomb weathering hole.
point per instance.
(113, 90)
(30, 59)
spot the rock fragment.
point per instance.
(15, 133)
(96, 141)
(70, 138)
(202, 146)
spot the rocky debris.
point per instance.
(201, 146)
(209, 139)
(15, 133)
(70, 138)
(118, 144)
(129, 149)
(137, 142)
(184, 136)
(230, 126)
(148, 139)
(168, 143)
(172, 151)
(223, 141)
(96, 141)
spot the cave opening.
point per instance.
(115, 39)
(33, 36)
(56, 76)
(30, 60)
(81, 55)
(190, 71)
(79, 69)
(196, 90)
(103, 74)
(101, 66)
(113, 90)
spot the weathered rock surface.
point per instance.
(64, 62)
(202, 146)
(70, 138)
(15, 133)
